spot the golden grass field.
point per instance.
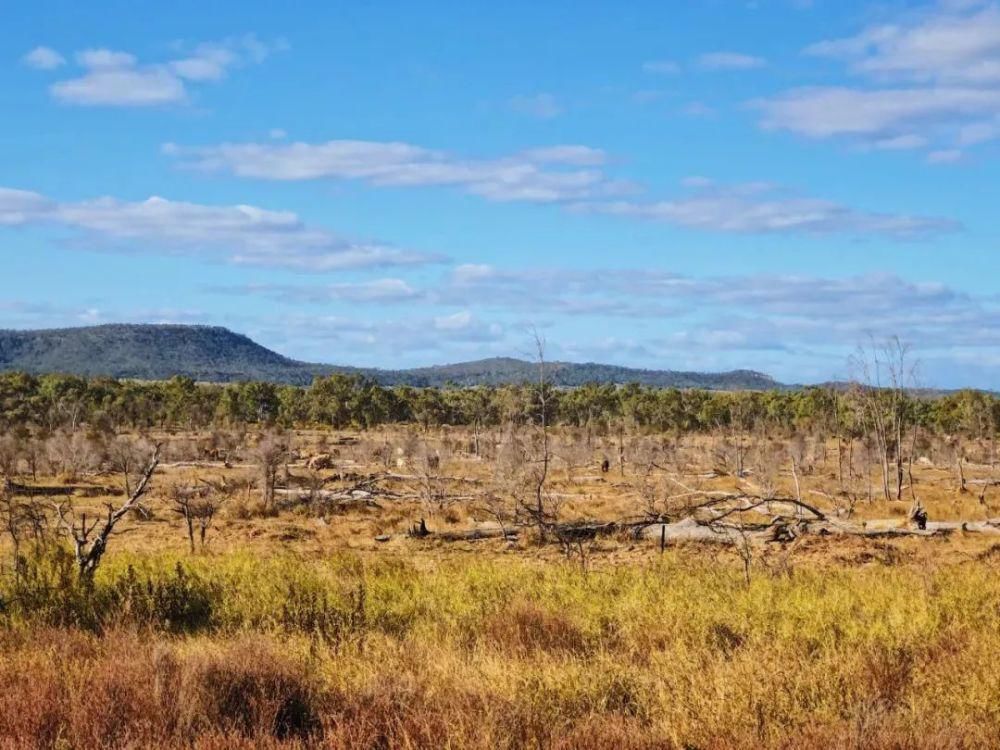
(293, 627)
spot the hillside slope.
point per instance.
(206, 353)
(146, 352)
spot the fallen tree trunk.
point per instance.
(690, 530)
(59, 490)
(783, 530)
(871, 532)
(472, 535)
(349, 498)
(486, 531)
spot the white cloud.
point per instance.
(245, 235)
(951, 46)
(931, 78)
(763, 208)
(542, 175)
(979, 132)
(22, 206)
(43, 58)
(208, 62)
(866, 296)
(117, 79)
(729, 61)
(454, 337)
(826, 112)
(579, 156)
(567, 174)
(121, 87)
(542, 106)
(105, 58)
(456, 321)
(379, 291)
(21, 314)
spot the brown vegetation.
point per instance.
(279, 597)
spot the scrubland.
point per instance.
(320, 617)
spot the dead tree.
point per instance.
(125, 456)
(885, 374)
(198, 506)
(271, 453)
(536, 510)
(90, 538)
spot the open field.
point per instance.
(318, 613)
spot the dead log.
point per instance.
(870, 531)
(689, 530)
(472, 535)
(60, 490)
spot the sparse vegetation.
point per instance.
(351, 566)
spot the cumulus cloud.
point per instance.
(43, 58)
(240, 234)
(764, 208)
(118, 79)
(541, 175)
(929, 79)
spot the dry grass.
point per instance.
(295, 629)
(674, 653)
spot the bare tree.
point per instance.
(126, 455)
(271, 454)
(198, 507)
(72, 453)
(884, 373)
(90, 539)
(536, 511)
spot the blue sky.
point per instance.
(704, 185)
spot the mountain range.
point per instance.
(215, 354)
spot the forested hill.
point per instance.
(213, 354)
(146, 352)
(502, 370)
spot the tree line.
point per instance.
(58, 402)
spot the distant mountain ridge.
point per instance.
(215, 354)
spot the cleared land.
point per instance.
(321, 615)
